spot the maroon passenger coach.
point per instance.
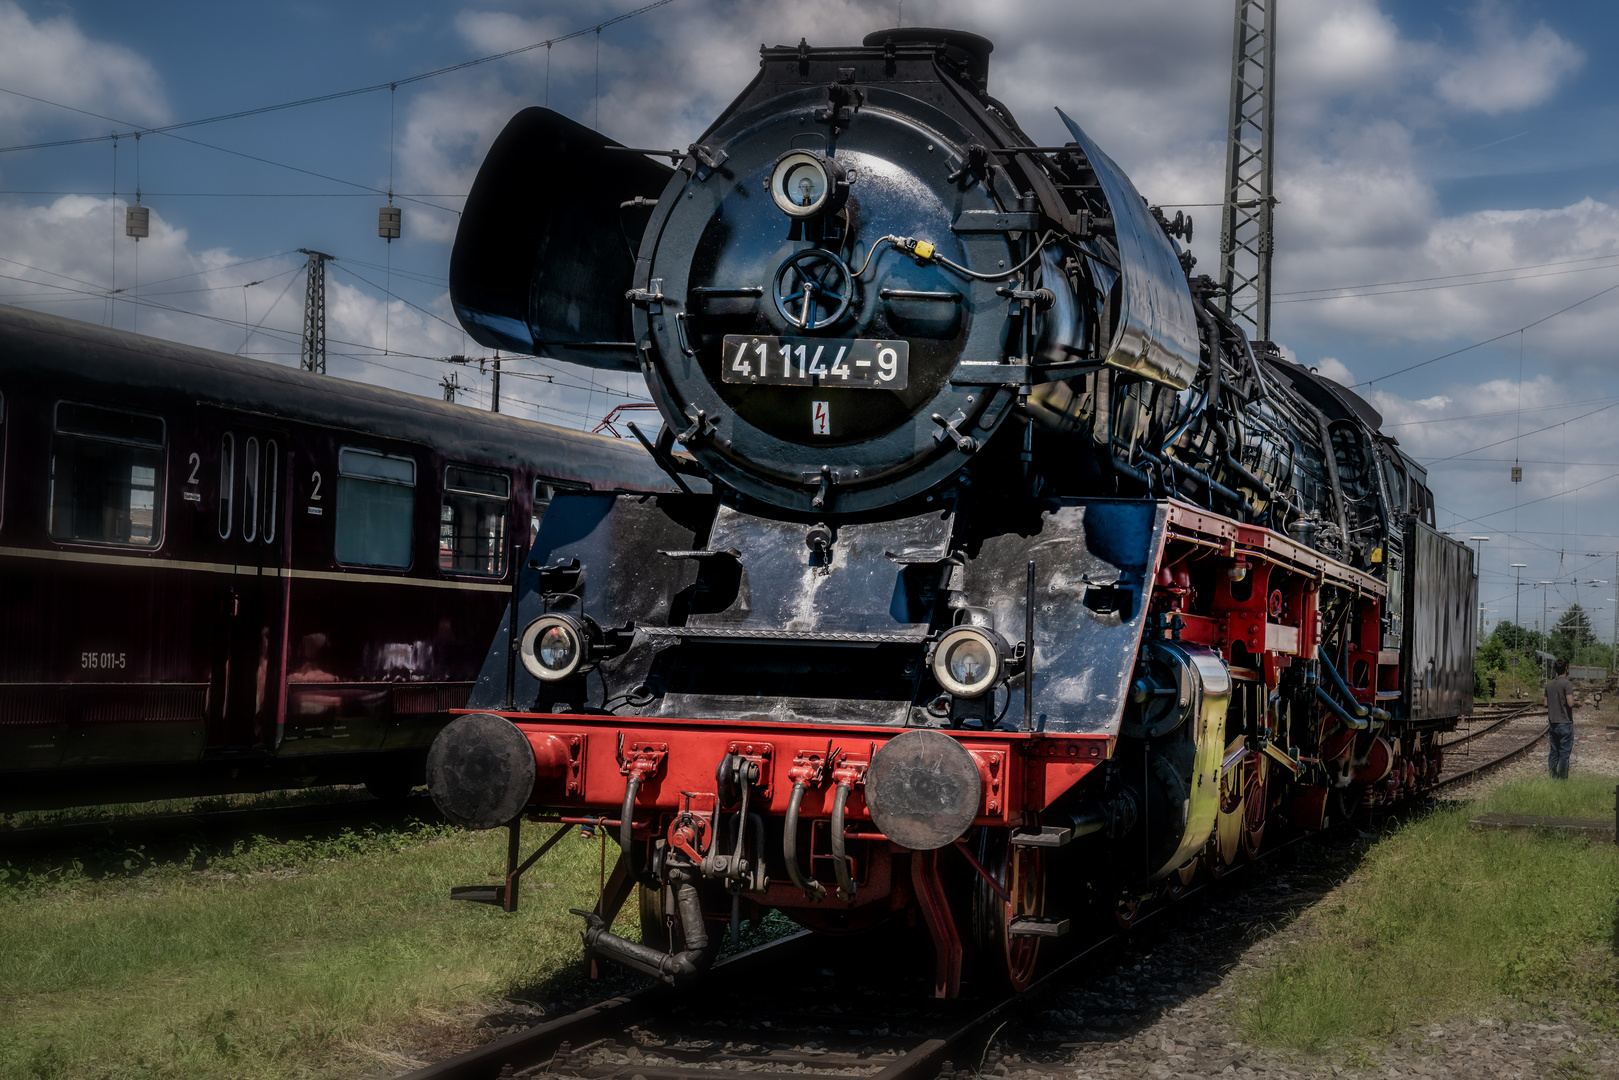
(224, 574)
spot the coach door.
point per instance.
(249, 645)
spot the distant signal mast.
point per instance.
(312, 354)
(1246, 233)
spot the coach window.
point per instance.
(544, 491)
(472, 521)
(272, 483)
(227, 483)
(106, 476)
(250, 490)
(376, 502)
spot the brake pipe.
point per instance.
(840, 861)
(626, 825)
(789, 846)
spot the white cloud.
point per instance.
(1561, 249)
(1337, 48)
(59, 258)
(1360, 93)
(53, 59)
(1334, 369)
(1508, 69)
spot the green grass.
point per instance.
(1578, 796)
(1441, 920)
(278, 959)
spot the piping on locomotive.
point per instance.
(1028, 584)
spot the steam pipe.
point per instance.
(1261, 488)
(1200, 477)
(789, 846)
(1343, 687)
(1339, 711)
(1125, 469)
(1329, 457)
(840, 861)
(1350, 703)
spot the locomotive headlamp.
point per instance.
(804, 183)
(969, 660)
(554, 647)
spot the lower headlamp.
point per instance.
(556, 646)
(969, 660)
(804, 183)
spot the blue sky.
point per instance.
(1415, 141)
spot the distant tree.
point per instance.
(1499, 673)
(1517, 639)
(1572, 633)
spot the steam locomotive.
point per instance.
(1027, 585)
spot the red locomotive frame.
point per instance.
(585, 763)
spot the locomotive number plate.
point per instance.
(858, 363)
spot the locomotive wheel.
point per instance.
(1343, 803)
(1007, 958)
(1228, 819)
(1255, 803)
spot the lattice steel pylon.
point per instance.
(1246, 235)
(312, 356)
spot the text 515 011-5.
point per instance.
(858, 364)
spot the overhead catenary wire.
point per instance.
(1452, 277)
(370, 358)
(1450, 285)
(94, 290)
(1556, 494)
(235, 153)
(1492, 415)
(291, 280)
(592, 388)
(165, 129)
(1489, 340)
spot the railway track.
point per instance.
(849, 1014)
(1497, 717)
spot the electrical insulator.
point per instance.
(1517, 474)
(138, 220)
(388, 219)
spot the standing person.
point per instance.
(1560, 719)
